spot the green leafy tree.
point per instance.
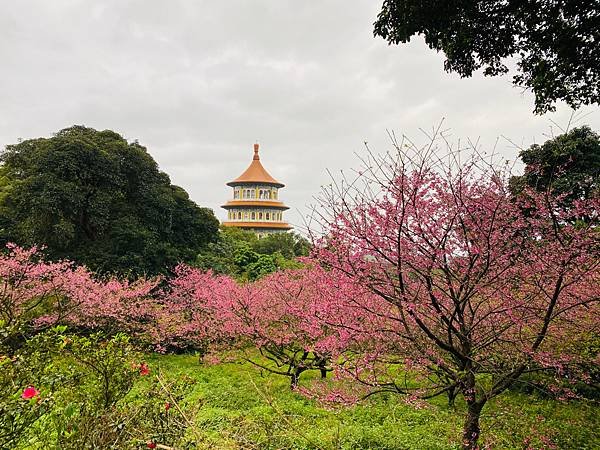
(555, 42)
(223, 256)
(92, 197)
(264, 265)
(242, 254)
(567, 165)
(290, 245)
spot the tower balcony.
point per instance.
(253, 203)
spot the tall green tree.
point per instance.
(99, 200)
(554, 42)
(567, 165)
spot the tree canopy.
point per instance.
(241, 254)
(567, 165)
(92, 197)
(555, 42)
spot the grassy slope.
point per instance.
(238, 407)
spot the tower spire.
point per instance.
(256, 157)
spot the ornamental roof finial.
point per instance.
(256, 157)
(255, 173)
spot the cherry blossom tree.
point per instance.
(114, 305)
(282, 316)
(30, 289)
(472, 287)
(37, 294)
(193, 311)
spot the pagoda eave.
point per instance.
(235, 183)
(254, 204)
(259, 225)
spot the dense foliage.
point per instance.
(241, 254)
(567, 165)
(67, 391)
(92, 197)
(555, 42)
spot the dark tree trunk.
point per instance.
(201, 353)
(452, 393)
(471, 430)
(294, 379)
(295, 376)
(296, 370)
(323, 372)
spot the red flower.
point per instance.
(151, 444)
(29, 393)
(167, 406)
(144, 370)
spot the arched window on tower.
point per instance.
(260, 215)
(253, 215)
(268, 216)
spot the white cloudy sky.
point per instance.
(198, 82)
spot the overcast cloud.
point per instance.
(199, 82)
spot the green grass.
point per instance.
(236, 406)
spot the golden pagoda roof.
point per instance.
(255, 173)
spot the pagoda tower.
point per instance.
(255, 204)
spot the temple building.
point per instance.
(255, 201)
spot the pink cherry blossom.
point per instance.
(464, 279)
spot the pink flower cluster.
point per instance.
(69, 295)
